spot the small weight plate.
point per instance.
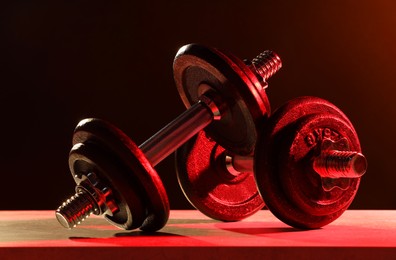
(199, 69)
(88, 158)
(290, 187)
(209, 187)
(139, 168)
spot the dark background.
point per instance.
(62, 61)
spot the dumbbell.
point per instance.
(116, 178)
(307, 166)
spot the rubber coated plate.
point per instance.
(291, 189)
(209, 187)
(139, 169)
(198, 69)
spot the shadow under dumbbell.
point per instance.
(192, 221)
(133, 238)
(145, 234)
(261, 230)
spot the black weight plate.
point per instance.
(198, 69)
(88, 158)
(140, 169)
(209, 187)
(286, 181)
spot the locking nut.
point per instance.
(76, 209)
(336, 162)
(265, 65)
(91, 197)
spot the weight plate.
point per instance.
(209, 187)
(88, 158)
(199, 69)
(298, 157)
(139, 168)
(290, 187)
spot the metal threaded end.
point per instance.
(341, 164)
(267, 64)
(76, 209)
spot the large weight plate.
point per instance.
(139, 169)
(209, 187)
(290, 187)
(198, 69)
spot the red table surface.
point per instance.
(189, 234)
